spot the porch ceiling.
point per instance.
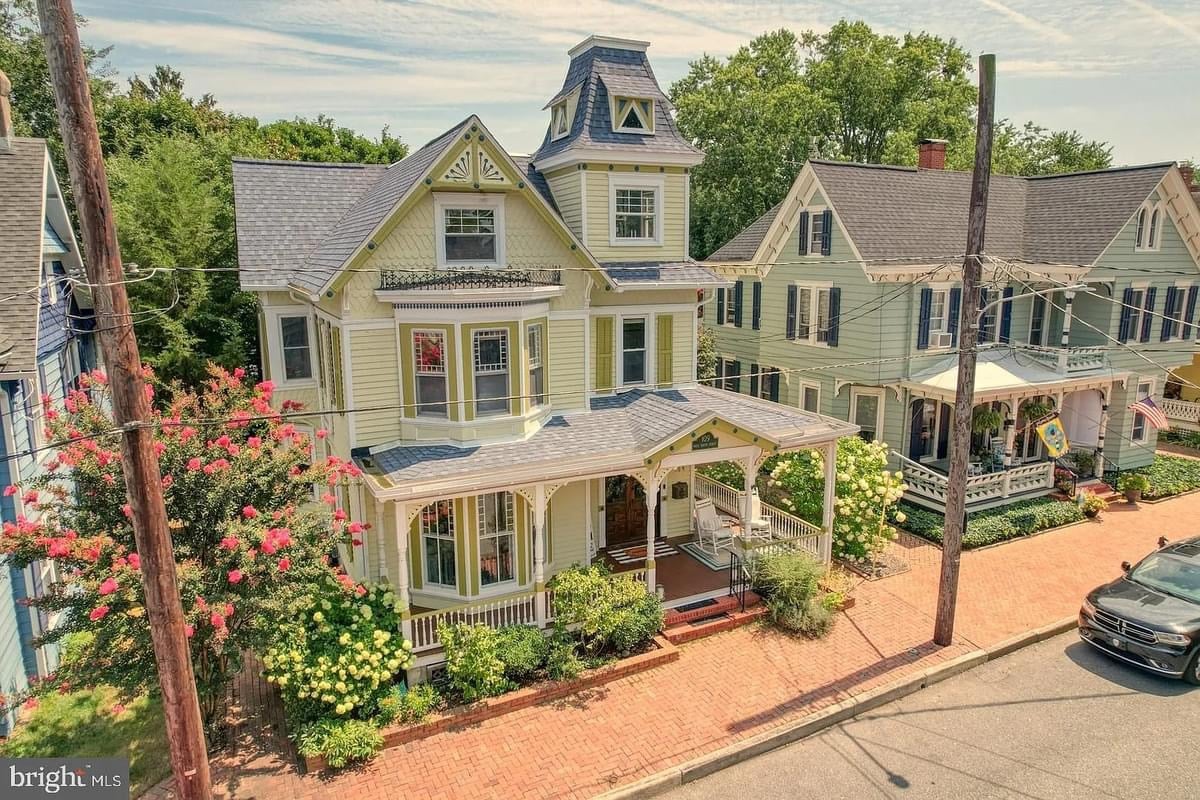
(1004, 373)
(616, 436)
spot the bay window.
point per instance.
(537, 368)
(491, 371)
(429, 356)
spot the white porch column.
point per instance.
(402, 592)
(539, 553)
(827, 506)
(381, 569)
(651, 513)
(1099, 468)
(1010, 432)
(1069, 298)
(748, 474)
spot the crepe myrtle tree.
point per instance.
(250, 540)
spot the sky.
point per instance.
(1123, 71)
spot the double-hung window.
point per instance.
(429, 354)
(940, 334)
(1144, 389)
(812, 314)
(437, 539)
(816, 244)
(537, 367)
(470, 230)
(1037, 320)
(866, 407)
(491, 371)
(1137, 299)
(296, 346)
(731, 379)
(635, 213)
(633, 351)
(497, 538)
(810, 397)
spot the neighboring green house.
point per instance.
(516, 337)
(847, 302)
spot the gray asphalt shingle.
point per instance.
(22, 186)
(684, 273)
(743, 246)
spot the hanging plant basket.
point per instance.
(986, 419)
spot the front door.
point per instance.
(624, 511)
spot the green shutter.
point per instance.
(339, 394)
(604, 354)
(665, 350)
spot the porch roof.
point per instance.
(1005, 372)
(615, 436)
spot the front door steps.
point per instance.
(697, 620)
(1101, 489)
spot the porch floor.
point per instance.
(681, 575)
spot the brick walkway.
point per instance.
(739, 683)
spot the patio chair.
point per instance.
(712, 533)
(760, 526)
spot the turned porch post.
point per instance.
(747, 499)
(539, 553)
(1010, 432)
(381, 569)
(402, 592)
(651, 512)
(1098, 471)
(827, 504)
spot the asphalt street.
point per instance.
(1055, 720)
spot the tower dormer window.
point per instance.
(560, 126)
(633, 115)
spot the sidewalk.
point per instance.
(736, 684)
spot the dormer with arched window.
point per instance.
(1148, 236)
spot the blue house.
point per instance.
(45, 344)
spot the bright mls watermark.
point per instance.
(67, 778)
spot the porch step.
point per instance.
(723, 615)
(1101, 489)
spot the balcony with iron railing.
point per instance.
(392, 280)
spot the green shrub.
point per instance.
(409, 705)
(726, 472)
(339, 741)
(1092, 503)
(995, 524)
(609, 613)
(1133, 482)
(1168, 475)
(562, 660)
(790, 581)
(473, 666)
(523, 651)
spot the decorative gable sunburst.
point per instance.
(475, 166)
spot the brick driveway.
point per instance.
(737, 684)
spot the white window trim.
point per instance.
(868, 391)
(508, 368)
(800, 395)
(814, 212)
(1137, 395)
(1139, 308)
(814, 311)
(412, 344)
(945, 288)
(635, 180)
(445, 200)
(1181, 290)
(1153, 241)
(539, 363)
(275, 315)
(511, 501)
(427, 584)
(935, 434)
(1047, 308)
(647, 349)
(647, 128)
(554, 112)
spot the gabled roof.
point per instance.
(909, 215)
(667, 274)
(600, 70)
(23, 172)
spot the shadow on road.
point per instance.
(1114, 671)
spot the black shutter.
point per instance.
(756, 305)
(943, 444)
(982, 317)
(1037, 319)
(737, 303)
(791, 312)
(775, 385)
(952, 315)
(735, 369)
(1124, 334)
(720, 376)
(754, 378)
(802, 229)
(835, 313)
(827, 232)
(1189, 313)
(1148, 313)
(1168, 323)
(916, 417)
(721, 306)
(923, 319)
(1006, 315)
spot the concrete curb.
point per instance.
(697, 768)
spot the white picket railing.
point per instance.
(933, 485)
(784, 526)
(514, 609)
(1182, 412)
(1067, 360)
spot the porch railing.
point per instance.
(933, 485)
(1067, 360)
(784, 526)
(519, 608)
(1184, 413)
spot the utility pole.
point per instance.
(968, 338)
(131, 406)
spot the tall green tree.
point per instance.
(1032, 150)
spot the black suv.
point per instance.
(1150, 616)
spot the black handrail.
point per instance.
(739, 579)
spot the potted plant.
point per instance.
(1133, 485)
(1092, 504)
(984, 419)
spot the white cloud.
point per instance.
(1026, 21)
(1191, 31)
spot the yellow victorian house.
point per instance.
(506, 346)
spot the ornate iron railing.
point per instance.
(500, 278)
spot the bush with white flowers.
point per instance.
(864, 497)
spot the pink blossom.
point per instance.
(354, 527)
(249, 512)
(30, 703)
(360, 590)
(223, 440)
(339, 515)
(149, 392)
(328, 499)
(228, 610)
(268, 546)
(235, 576)
(98, 613)
(284, 564)
(9, 491)
(266, 387)
(189, 629)
(254, 442)
(322, 433)
(217, 620)
(238, 372)
(209, 469)
(127, 510)
(117, 709)
(58, 547)
(187, 432)
(233, 450)
(194, 464)
(109, 586)
(30, 497)
(229, 543)
(135, 561)
(159, 448)
(168, 481)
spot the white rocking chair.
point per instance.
(760, 526)
(712, 532)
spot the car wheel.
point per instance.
(1192, 673)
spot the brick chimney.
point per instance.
(6, 120)
(1188, 175)
(931, 154)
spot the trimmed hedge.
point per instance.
(994, 524)
(1168, 475)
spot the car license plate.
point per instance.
(1116, 643)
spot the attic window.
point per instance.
(1148, 234)
(633, 115)
(560, 126)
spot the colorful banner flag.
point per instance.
(1147, 408)
(1053, 435)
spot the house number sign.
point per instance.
(705, 442)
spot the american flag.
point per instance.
(1150, 411)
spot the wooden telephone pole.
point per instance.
(131, 406)
(968, 338)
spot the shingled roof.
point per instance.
(23, 178)
(600, 70)
(906, 214)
